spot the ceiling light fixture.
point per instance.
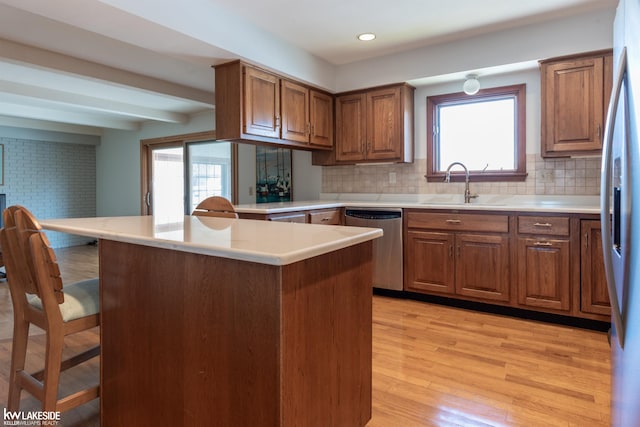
(365, 37)
(471, 85)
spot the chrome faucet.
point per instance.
(467, 193)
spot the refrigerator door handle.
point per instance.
(605, 197)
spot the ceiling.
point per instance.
(85, 65)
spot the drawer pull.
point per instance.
(543, 224)
(325, 219)
(543, 244)
(453, 221)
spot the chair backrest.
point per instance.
(20, 225)
(19, 273)
(47, 272)
(215, 206)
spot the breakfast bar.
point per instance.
(232, 322)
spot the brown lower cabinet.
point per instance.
(541, 262)
(594, 297)
(457, 262)
(544, 273)
(330, 216)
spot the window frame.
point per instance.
(146, 148)
(520, 171)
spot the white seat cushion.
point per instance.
(80, 299)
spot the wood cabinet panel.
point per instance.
(459, 222)
(482, 266)
(429, 264)
(594, 296)
(295, 111)
(575, 94)
(326, 217)
(350, 127)
(321, 118)
(544, 273)
(262, 103)
(543, 225)
(299, 217)
(384, 121)
(259, 345)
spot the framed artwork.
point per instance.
(273, 175)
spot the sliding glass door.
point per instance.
(178, 174)
(167, 183)
(209, 171)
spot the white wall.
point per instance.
(580, 33)
(118, 163)
(530, 77)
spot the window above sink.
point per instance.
(485, 131)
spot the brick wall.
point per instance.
(52, 180)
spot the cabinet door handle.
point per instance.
(543, 244)
(599, 131)
(277, 121)
(453, 221)
(458, 251)
(586, 240)
(543, 224)
(450, 251)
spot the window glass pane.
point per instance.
(210, 171)
(168, 184)
(480, 134)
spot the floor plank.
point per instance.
(432, 365)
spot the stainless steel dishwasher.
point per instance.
(387, 250)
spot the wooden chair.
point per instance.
(215, 206)
(39, 298)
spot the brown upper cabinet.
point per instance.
(255, 105)
(373, 125)
(574, 99)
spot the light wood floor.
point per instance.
(432, 365)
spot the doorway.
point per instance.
(178, 172)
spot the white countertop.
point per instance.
(263, 242)
(552, 204)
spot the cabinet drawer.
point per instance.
(544, 225)
(327, 217)
(299, 217)
(459, 222)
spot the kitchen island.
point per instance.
(231, 322)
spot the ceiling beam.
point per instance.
(91, 103)
(16, 111)
(23, 123)
(25, 54)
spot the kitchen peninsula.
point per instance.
(212, 321)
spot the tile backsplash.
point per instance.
(575, 176)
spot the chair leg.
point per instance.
(18, 358)
(51, 379)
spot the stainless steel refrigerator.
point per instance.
(620, 218)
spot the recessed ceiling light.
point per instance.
(365, 37)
